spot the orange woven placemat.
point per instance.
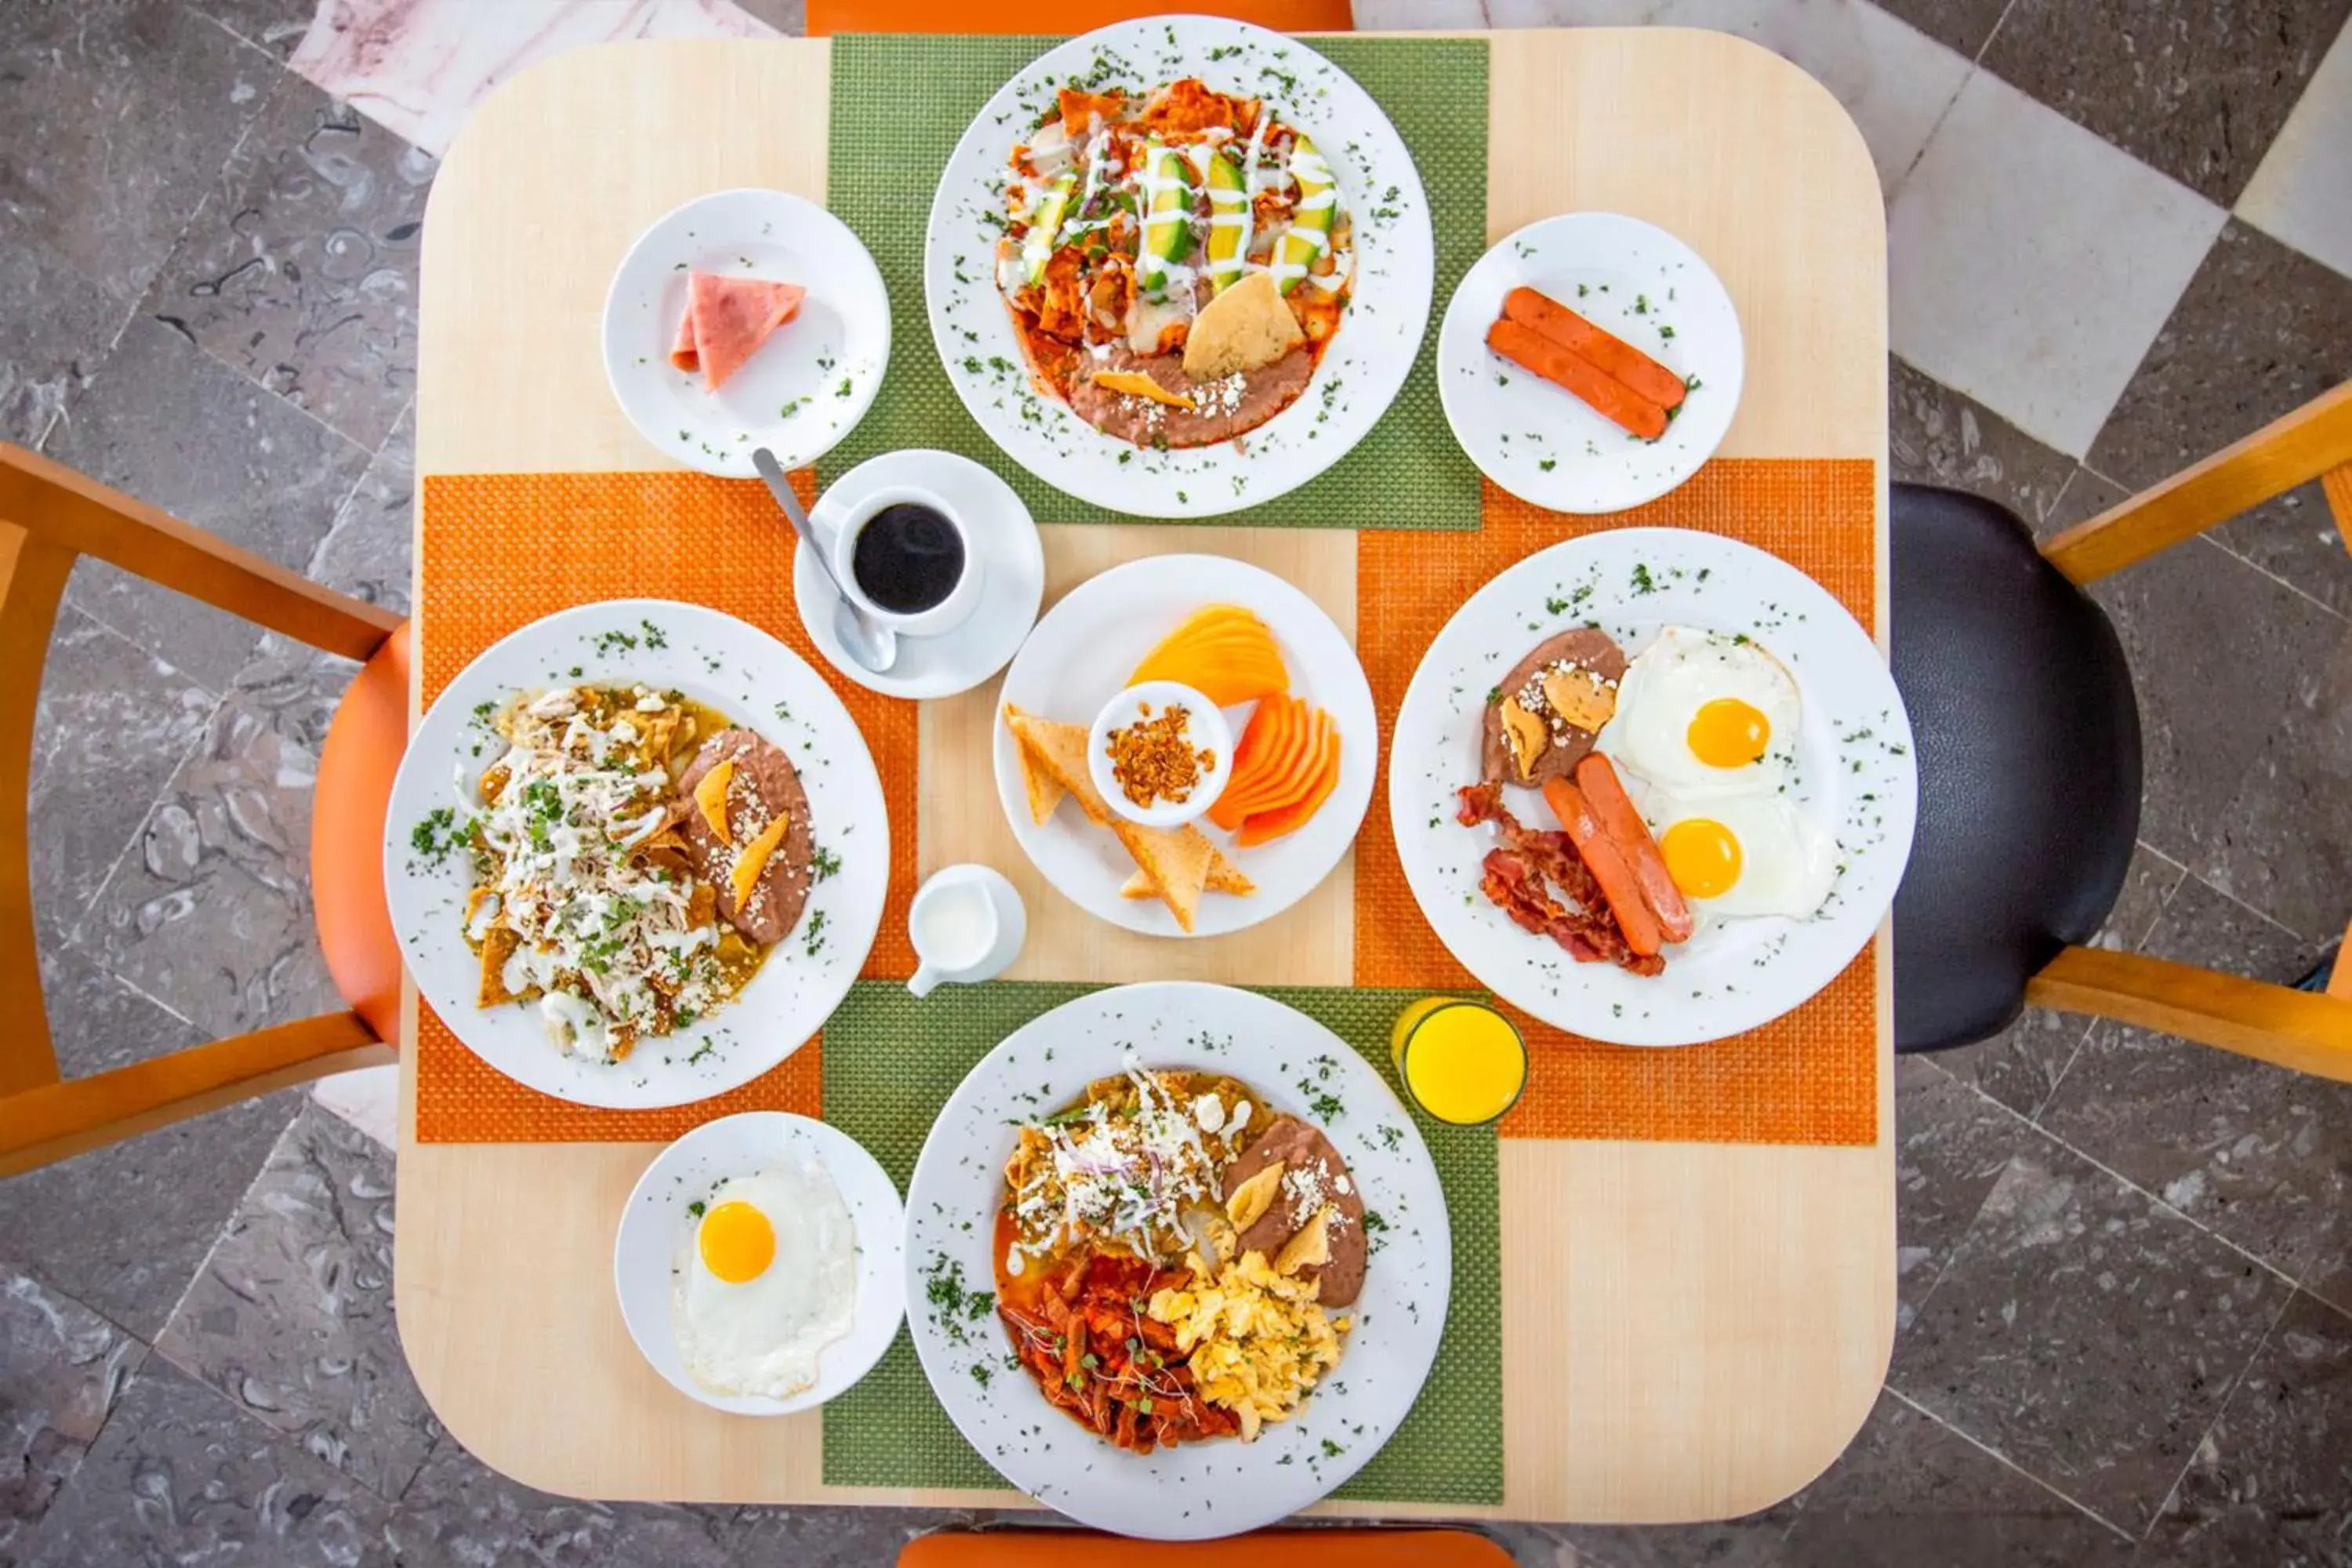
(1808, 1078)
(499, 551)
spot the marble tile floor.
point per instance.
(2125, 1276)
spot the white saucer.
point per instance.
(1000, 532)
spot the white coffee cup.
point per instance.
(948, 613)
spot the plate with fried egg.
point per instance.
(1654, 786)
(759, 1263)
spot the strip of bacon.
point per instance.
(1524, 869)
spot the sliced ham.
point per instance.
(727, 320)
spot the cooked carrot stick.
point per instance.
(1602, 792)
(1611, 354)
(1618, 884)
(1530, 350)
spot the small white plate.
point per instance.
(657, 1227)
(1544, 444)
(1220, 1487)
(1853, 774)
(823, 365)
(996, 525)
(757, 682)
(1080, 657)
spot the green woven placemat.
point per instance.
(890, 1061)
(899, 106)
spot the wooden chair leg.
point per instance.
(48, 1123)
(2276, 1024)
(2336, 486)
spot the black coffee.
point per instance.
(908, 558)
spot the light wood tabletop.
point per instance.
(1690, 1330)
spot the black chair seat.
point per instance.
(2027, 735)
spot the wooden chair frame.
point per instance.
(2299, 1029)
(49, 516)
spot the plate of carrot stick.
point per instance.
(1590, 362)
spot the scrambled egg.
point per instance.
(1258, 1340)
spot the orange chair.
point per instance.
(1269, 1548)
(48, 516)
(827, 17)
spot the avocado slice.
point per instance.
(1166, 214)
(1229, 219)
(1310, 224)
(1044, 226)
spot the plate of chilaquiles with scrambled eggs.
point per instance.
(635, 854)
(1178, 1260)
(1179, 266)
(1654, 786)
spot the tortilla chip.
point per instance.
(1176, 860)
(1137, 383)
(499, 944)
(1225, 877)
(1310, 1249)
(1247, 327)
(745, 876)
(1253, 1197)
(1053, 763)
(711, 795)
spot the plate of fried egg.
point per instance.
(760, 1265)
(1654, 786)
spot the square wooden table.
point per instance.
(1689, 1331)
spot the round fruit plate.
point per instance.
(1082, 653)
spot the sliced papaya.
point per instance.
(1297, 781)
(1249, 762)
(1289, 743)
(1261, 827)
(1223, 651)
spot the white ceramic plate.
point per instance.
(1004, 540)
(658, 1229)
(1854, 776)
(756, 681)
(1361, 371)
(1544, 444)
(807, 386)
(1079, 657)
(1208, 1489)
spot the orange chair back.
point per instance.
(827, 17)
(49, 516)
(1265, 1549)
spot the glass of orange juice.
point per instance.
(1462, 1061)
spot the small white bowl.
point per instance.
(1203, 723)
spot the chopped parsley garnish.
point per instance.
(436, 835)
(824, 865)
(953, 1307)
(607, 644)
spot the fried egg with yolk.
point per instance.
(1741, 855)
(1706, 713)
(766, 1278)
